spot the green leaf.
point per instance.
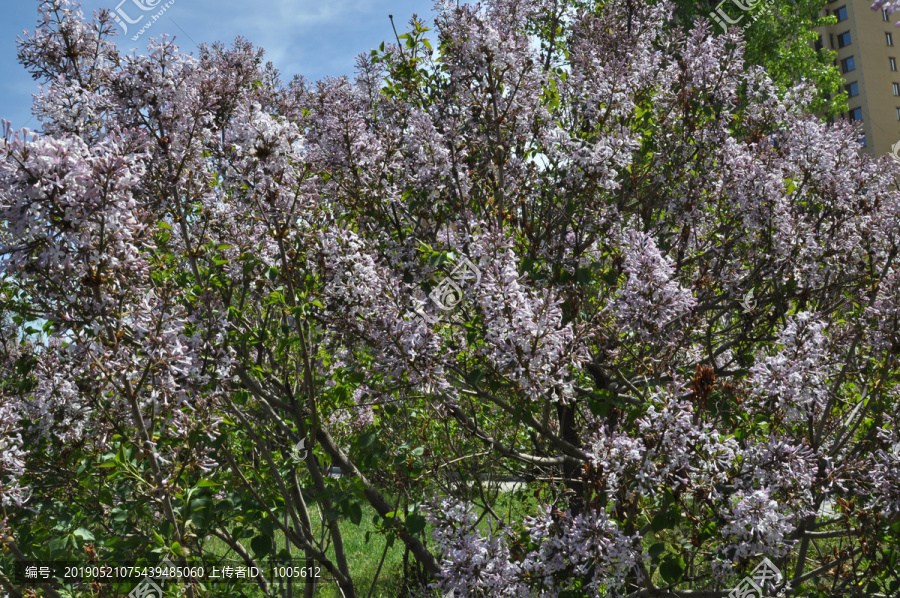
(658, 523)
(176, 548)
(657, 550)
(355, 513)
(671, 569)
(790, 187)
(415, 523)
(198, 504)
(611, 277)
(366, 440)
(599, 407)
(262, 545)
(266, 526)
(84, 535)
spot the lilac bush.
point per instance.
(225, 264)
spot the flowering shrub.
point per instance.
(224, 265)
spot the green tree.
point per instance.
(781, 37)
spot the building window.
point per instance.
(898, 113)
(893, 62)
(889, 39)
(896, 89)
(844, 39)
(884, 14)
(841, 14)
(848, 64)
(852, 89)
(862, 141)
(855, 114)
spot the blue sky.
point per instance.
(313, 38)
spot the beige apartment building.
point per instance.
(868, 52)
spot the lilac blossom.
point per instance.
(473, 565)
(212, 248)
(758, 525)
(885, 475)
(796, 379)
(649, 298)
(12, 464)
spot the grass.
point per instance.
(364, 557)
